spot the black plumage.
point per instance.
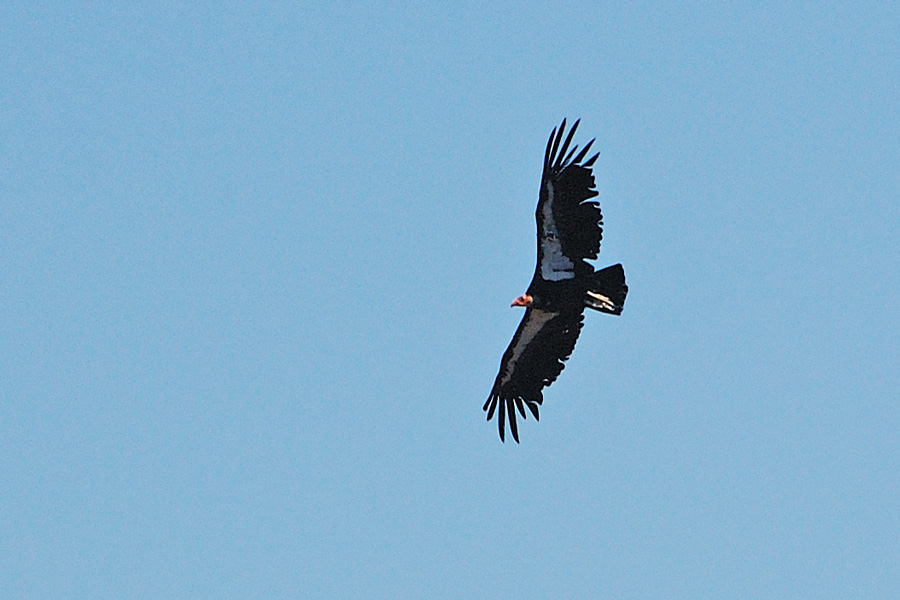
(569, 230)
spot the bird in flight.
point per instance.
(569, 229)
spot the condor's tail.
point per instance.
(607, 291)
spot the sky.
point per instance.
(257, 260)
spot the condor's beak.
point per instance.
(523, 300)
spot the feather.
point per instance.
(583, 152)
(565, 147)
(513, 427)
(559, 135)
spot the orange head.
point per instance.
(523, 300)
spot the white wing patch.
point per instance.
(555, 266)
(534, 322)
(599, 301)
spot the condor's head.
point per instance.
(523, 300)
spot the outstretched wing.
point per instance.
(534, 359)
(569, 225)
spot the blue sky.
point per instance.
(257, 265)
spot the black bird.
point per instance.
(569, 229)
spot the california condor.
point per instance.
(569, 229)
